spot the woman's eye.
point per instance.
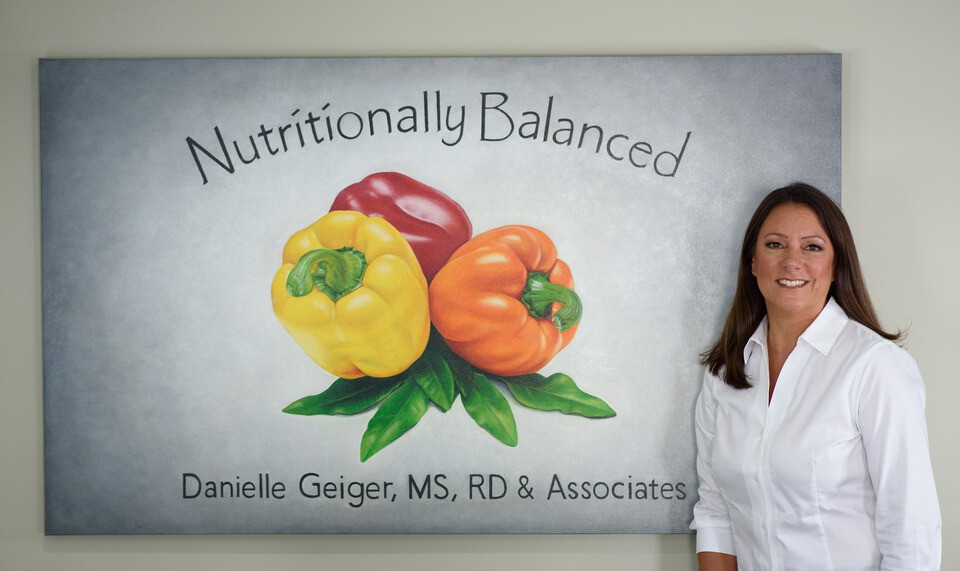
(774, 245)
(814, 248)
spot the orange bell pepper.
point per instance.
(504, 302)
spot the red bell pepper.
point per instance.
(432, 222)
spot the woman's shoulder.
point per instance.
(859, 335)
(859, 338)
(878, 362)
(715, 388)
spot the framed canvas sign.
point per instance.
(430, 295)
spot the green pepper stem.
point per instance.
(540, 295)
(333, 272)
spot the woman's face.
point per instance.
(793, 262)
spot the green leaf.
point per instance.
(433, 375)
(556, 392)
(345, 396)
(400, 412)
(488, 408)
(461, 370)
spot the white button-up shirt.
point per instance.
(834, 473)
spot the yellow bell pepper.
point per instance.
(351, 293)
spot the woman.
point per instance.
(812, 444)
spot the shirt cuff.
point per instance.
(718, 539)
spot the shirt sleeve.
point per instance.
(711, 518)
(891, 420)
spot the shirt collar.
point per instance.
(826, 328)
(821, 334)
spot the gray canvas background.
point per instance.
(162, 354)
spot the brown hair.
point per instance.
(747, 310)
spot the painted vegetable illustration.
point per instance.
(504, 302)
(430, 220)
(351, 292)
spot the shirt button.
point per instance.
(756, 478)
(764, 525)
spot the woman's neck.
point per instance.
(782, 335)
(783, 331)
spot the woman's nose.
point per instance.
(791, 261)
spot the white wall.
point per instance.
(900, 124)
